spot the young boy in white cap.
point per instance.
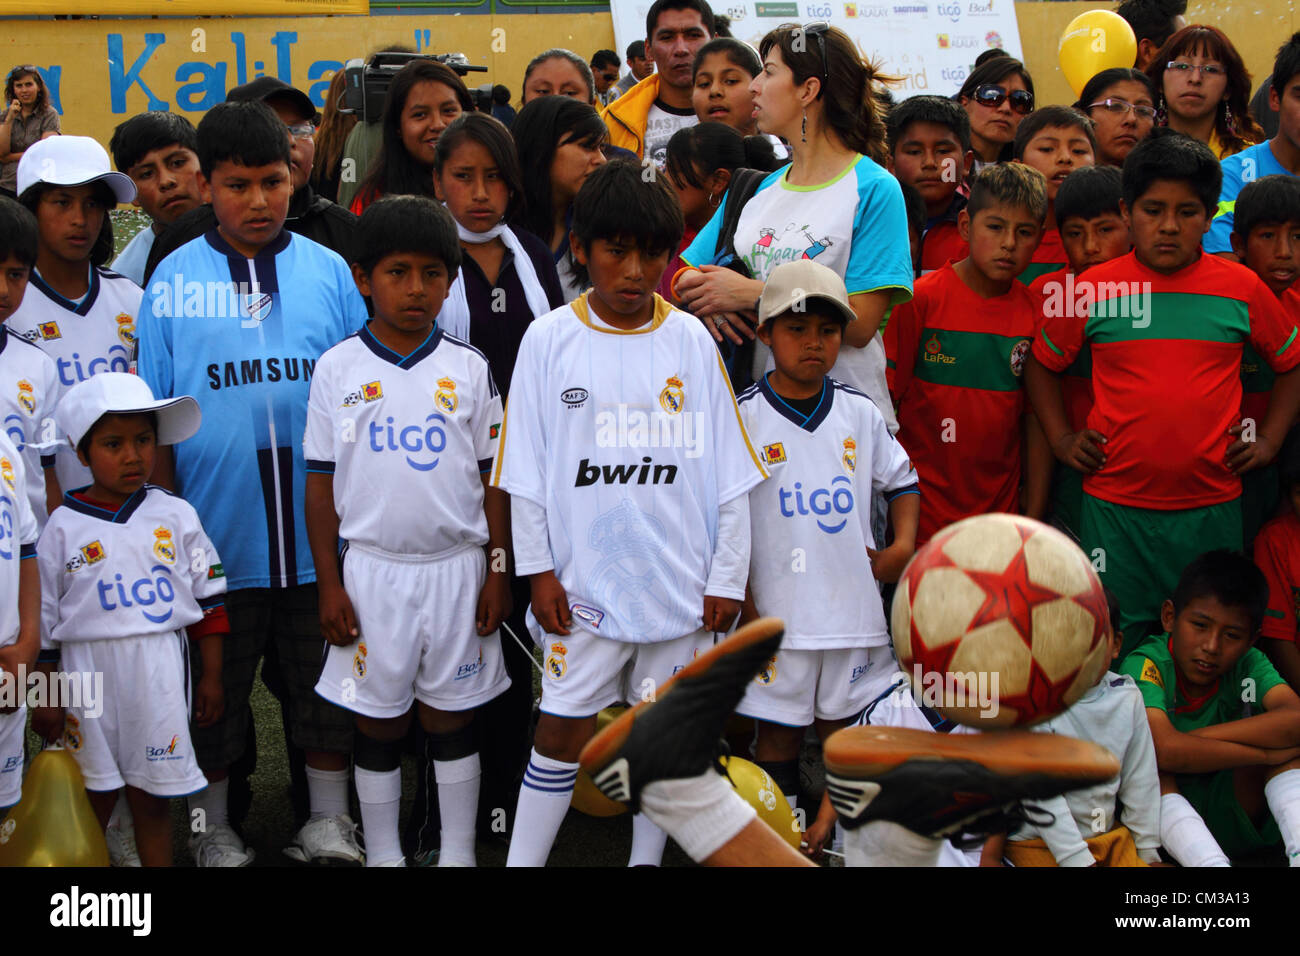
(79, 313)
(126, 570)
(828, 450)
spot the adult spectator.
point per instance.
(331, 136)
(559, 72)
(1204, 90)
(639, 66)
(604, 68)
(997, 95)
(502, 111)
(644, 118)
(1153, 23)
(28, 118)
(1122, 105)
(362, 145)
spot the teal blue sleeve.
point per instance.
(153, 330)
(881, 256)
(1217, 239)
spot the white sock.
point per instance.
(458, 782)
(1185, 835)
(212, 801)
(328, 792)
(543, 802)
(700, 813)
(1283, 796)
(884, 843)
(648, 842)
(380, 794)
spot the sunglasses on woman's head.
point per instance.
(993, 96)
(818, 30)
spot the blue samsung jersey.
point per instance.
(243, 336)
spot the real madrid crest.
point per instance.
(850, 458)
(27, 396)
(359, 660)
(7, 473)
(126, 329)
(163, 546)
(673, 398)
(445, 396)
(556, 666)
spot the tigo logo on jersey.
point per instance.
(767, 676)
(7, 472)
(50, 330)
(445, 396)
(850, 457)
(27, 396)
(411, 438)
(164, 753)
(359, 661)
(820, 502)
(673, 398)
(1018, 357)
(588, 615)
(556, 666)
(163, 547)
(934, 352)
(146, 592)
(774, 454)
(93, 552)
(125, 329)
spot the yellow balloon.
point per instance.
(1094, 41)
(761, 792)
(53, 824)
(586, 798)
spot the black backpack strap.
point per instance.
(744, 183)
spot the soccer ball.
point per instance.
(1000, 621)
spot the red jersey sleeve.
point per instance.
(1274, 544)
(1273, 330)
(901, 341)
(1060, 333)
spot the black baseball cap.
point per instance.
(267, 88)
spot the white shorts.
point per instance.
(835, 684)
(419, 640)
(132, 727)
(11, 756)
(582, 674)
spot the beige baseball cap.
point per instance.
(792, 285)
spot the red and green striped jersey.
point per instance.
(1048, 257)
(1053, 294)
(1166, 373)
(1256, 376)
(940, 245)
(956, 364)
(1277, 554)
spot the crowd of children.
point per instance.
(312, 464)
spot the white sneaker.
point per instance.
(219, 845)
(400, 861)
(121, 844)
(327, 838)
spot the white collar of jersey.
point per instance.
(807, 422)
(583, 311)
(120, 516)
(478, 238)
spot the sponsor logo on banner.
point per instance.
(951, 10)
(776, 9)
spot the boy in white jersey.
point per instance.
(79, 313)
(828, 449)
(628, 470)
(126, 568)
(20, 618)
(402, 426)
(29, 382)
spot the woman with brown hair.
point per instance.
(330, 137)
(28, 118)
(1205, 90)
(997, 95)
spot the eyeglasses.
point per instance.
(819, 30)
(1204, 69)
(302, 130)
(993, 96)
(1115, 105)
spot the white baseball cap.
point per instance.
(120, 393)
(71, 161)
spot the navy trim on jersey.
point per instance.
(264, 260)
(422, 351)
(68, 304)
(912, 489)
(809, 422)
(27, 551)
(279, 513)
(47, 461)
(121, 516)
(484, 465)
(212, 603)
(318, 467)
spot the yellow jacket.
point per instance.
(626, 116)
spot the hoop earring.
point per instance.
(803, 132)
(713, 199)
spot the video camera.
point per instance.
(365, 85)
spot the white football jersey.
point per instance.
(811, 523)
(407, 440)
(147, 568)
(97, 335)
(631, 441)
(18, 534)
(29, 390)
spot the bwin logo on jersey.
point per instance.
(142, 593)
(411, 438)
(635, 474)
(821, 502)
